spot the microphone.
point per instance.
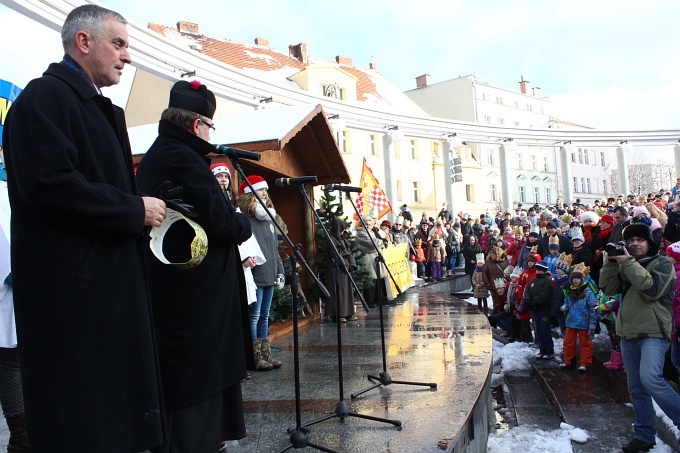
(283, 182)
(343, 188)
(235, 153)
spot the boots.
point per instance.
(615, 362)
(267, 353)
(18, 438)
(260, 363)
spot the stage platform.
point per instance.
(431, 337)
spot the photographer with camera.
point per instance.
(646, 281)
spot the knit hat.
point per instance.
(386, 223)
(193, 96)
(534, 232)
(256, 181)
(551, 224)
(542, 265)
(535, 257)
(607, 218)
(564, 262)
(673, 251)
(220, 167)
(642, 231)
(456, 225)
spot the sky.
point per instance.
(610, 64)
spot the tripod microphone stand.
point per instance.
(299, 436)
(341, 409)
(383, 378)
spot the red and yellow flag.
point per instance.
(372, 198)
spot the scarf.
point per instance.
(575, 292)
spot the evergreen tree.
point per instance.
(330, 207)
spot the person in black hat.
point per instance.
(644, 323)
(201, 313)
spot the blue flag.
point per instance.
(8, 93)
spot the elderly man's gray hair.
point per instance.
(88, 18)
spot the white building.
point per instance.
(534, 173)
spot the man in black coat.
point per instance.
(552, 231)
(88, 360)
(200, 313)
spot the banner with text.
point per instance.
(395, 259)
(8, 93)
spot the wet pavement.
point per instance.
(431, 337)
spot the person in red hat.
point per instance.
(200, 311)
(600, 236)
(267, 275)
(222, 174)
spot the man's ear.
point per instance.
(83, 42)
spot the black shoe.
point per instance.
(636, 445)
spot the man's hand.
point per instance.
(154, 211)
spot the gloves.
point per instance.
(169, 194)
(506, 307)
(591, 333)
(563, 308)
(280, 281)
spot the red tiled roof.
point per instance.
(245, 56)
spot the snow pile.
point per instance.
(514, 356)
(528, 438)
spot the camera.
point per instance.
(615, 249)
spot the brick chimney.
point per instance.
(523, 86)
(423, 81)
(340, 59)
(264, 42)
(537, 92)
(187, 27)
(298, 51)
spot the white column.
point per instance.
(676, 150)
(567, 183)
(390, 183)
(506, 185)
(622, 164)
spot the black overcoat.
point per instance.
(201, 314)
(89, 367)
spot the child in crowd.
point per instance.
(554, 248)
(673, 252)
(512, 302)
(418, 256)
(537, 297)
(562, 269)
(436, 256)
(479, 289)
(578, 305)
(607, 308)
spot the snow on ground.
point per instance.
(515, 357)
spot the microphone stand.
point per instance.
(341, 409)
(383, 378)
(299, 436)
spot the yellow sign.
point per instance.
(395, 259)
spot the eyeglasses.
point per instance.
(211, 126)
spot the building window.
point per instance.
(583, 185)
(490, 159)
(548, 196)
(545, 164)
(530, 108)
(399, 192)
(414, 150)
(501, 121)
(397, 149)
(516, 104)
(522, 194)
(487, 119)
(470, 193)
(575, 184)
(416, 192)
(483, 96)
(533, 162)
(493, 194)
(373, 144)
(604, 186)
(333, 91)
(602, 160)
(585, 157)
(520, 164)
(588, 188)
(537, 195)
(343, 141)
(516, 123)
(573, 156)
(499, 100)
